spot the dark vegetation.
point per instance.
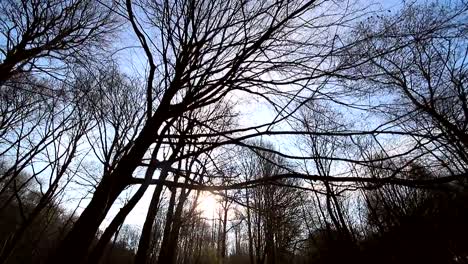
(360, 154)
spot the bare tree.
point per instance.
(317, 116)
(416, 58)
(273, 207)
(208, 51)
(41, 35)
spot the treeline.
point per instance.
(328, 131)
(41, 237)
(389, 224)
(284, 223)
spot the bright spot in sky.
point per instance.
(208, 204)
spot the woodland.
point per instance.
(233, 131)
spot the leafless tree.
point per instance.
(208, 50)
(175, 125)
(47, 145)
(41, 35)
(416, 59)
(273, 208)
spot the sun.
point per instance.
(208, 205)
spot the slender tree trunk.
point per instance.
(258, 248)
(171, 248)
(11, 244)
(163, 254)
(269, 240)
(224, 231)
(236, 239)
(249, 228)
(270, 247)
(145, 238)
(219, 238)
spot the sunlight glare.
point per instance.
(208, 205)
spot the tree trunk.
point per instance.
(75, 245)
(224, 231)
(118, 220)
(145, 237)
(164, 253)
(249, 228)
(175, 231)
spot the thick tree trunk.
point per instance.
(118, 220)
(12, 59)
(74, 248)
(75, 245)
